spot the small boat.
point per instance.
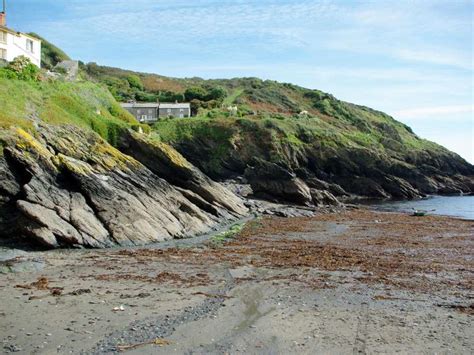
(420, 213)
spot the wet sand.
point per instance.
(355, 282)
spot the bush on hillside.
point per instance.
(135, 82)
(21, 68)
(217, 93)
(169, 96)
(195, 93)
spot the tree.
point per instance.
(195, 93)
(195, 106)
(135, 82)
(217, 93)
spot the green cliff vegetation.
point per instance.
(237, 122)
(50, 54)
(26, 103)
(291, 113)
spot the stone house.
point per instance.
(177, 110)
(14, 44)
(147, 112)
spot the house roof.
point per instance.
(155, 105)
(16, 33)
(140, 105)
(172, 105)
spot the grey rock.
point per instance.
(83, 192)
(47, 227)
(276, 181)
(323, 197)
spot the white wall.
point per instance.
(16, 46)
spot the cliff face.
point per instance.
(320, 141)
(339, 160)
(62, 183)
(68, 187)
(75, 171)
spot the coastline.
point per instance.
(455, 206)
(358, 280)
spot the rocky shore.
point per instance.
(354, 281)
(67, 187)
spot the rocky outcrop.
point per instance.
(323, 198)
(68, 187)
(269, 179)
(272, 181)
(286, 169)
(167, 163)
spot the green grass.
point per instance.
(18, 101)
(229, 100)
(83, 104)
(221, 238)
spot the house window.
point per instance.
(169, 110)
(3, 54)
(181, 115)
(139, 111)
(29, 45)
(181, 110)
(3, 37)
(150, 112)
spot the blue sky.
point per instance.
(409, 58)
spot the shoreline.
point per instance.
(359, 280)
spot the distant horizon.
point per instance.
(382, 55)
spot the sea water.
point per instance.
(456, 206)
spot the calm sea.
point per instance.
(456, 206)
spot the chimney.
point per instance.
(3, 14)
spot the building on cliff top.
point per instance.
(14, 44)
(152, 111)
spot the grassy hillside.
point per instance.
(257, 99)
(281, 122)
(239, 120)
(28, 103)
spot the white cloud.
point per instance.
(435, 112)
(412, 31)
(437, 56)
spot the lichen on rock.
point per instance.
(69, 187)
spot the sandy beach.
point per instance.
(353, 282)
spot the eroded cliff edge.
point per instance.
(66, 186)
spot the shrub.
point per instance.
(195, 106)
(217, 93)
(60, 70)
(169, 96)
(21, 68)
(195, 93)
(145, 96)
(135, 82)
(50, 54)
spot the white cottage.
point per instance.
(14, 44)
